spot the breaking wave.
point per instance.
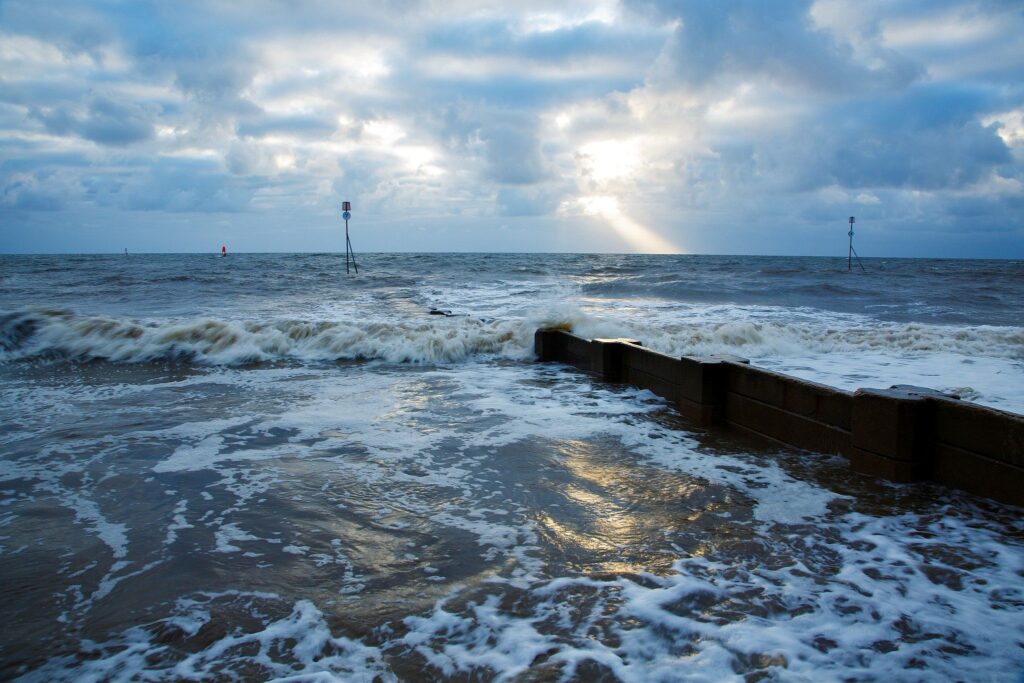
(60, 334)
(57, 334)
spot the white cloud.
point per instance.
(704, 125)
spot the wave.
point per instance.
(58, 334)
(65, 335)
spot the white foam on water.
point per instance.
(506, 539)
(314, 653)
(853, 595)
(228, 534)
(386, 417)
(179, 523)
(985, 363)
(940, 587)
(993, 382)
(884, 613)
(382, 417)
(87, 513)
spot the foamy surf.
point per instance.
(64, 333)
(980, 363)
(493, 521)
(193, 486)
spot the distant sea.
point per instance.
(259, 467)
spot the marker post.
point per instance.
(852, 252)
(849, 254)
(346, 213)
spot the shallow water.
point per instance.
(202, 486)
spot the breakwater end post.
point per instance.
(903, 433)
(892, 432)
(606, 357)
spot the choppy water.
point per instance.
(258, 468)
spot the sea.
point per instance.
(260, 467)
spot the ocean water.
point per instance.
(260, 468)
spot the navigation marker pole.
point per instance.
(852, 253)
(346, 209)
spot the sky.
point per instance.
(729, 127)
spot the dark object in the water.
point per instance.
(438, 311)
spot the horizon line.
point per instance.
(217, 253)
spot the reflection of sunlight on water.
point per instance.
(636, 235)
(614, 517)
(568, 536)
(603, 552)
(603, 526)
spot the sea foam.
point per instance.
(49, 333)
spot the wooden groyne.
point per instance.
(903, 433)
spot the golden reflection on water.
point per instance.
(619, 515)
(568, 536)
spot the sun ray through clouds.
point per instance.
(637, 235)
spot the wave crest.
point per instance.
(66, 335)
(59, 334)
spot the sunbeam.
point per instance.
(638, 236)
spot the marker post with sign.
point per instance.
(849, 254)
(346, 213)
(852, 252)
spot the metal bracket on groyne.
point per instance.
(903, 433)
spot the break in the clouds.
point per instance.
(641, 125)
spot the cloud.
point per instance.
(513, 155)
(30, 192)
(565, 46)
(727, 126)
(186, 188)
(169, 185)
(103, 121)
(927, 138)
(530, 201)
(301, 125)
(734, 40)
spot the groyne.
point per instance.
(903, 433)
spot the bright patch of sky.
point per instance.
(643, 125)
